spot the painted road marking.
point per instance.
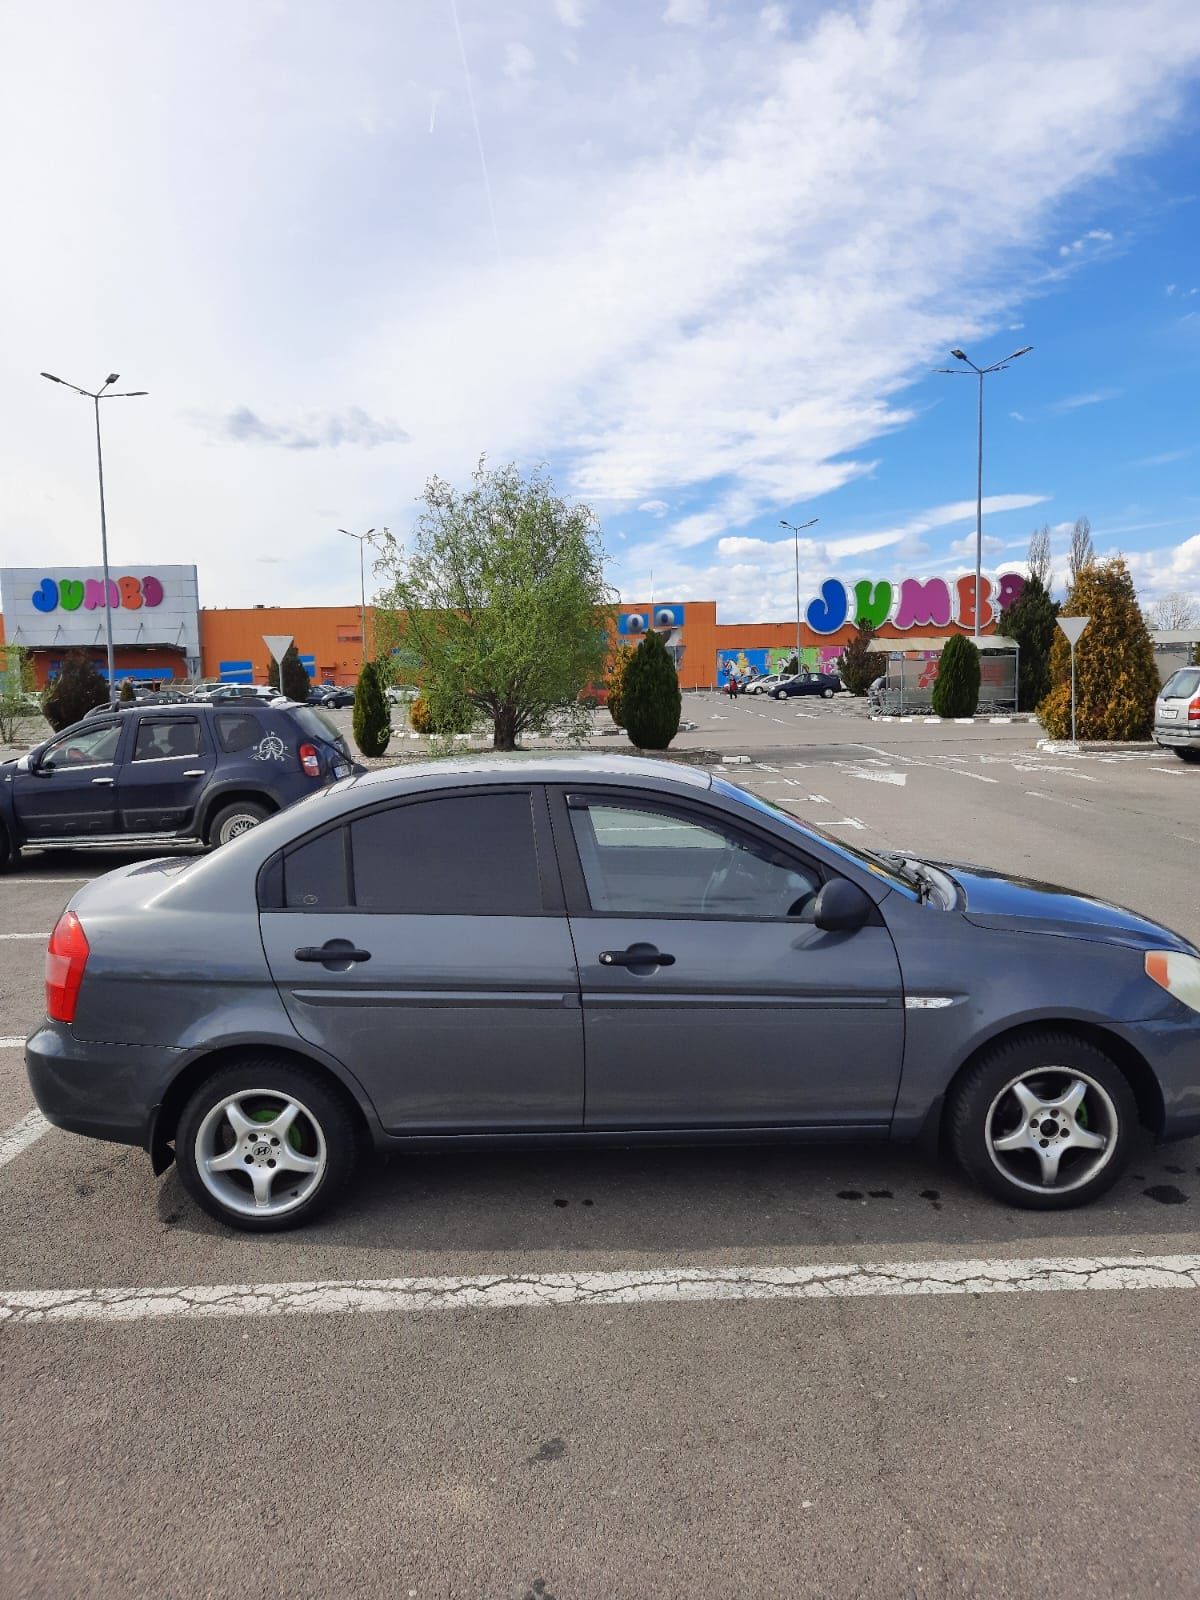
(42, 936)
(28, 877)
(14, 1041)
(496, 1291)
(19, 1137)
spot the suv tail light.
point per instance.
(310, 760)
(66, 958)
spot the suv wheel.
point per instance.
(263, 1146)
(1045, 1122)
(234, 819)
(1185, 754)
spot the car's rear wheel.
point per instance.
(780, 694)
(264, 1146)
(8, 856)
(1185, 754)
(235, 819)
(827, 694)
(1045, 1122)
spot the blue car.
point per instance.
(166, 775)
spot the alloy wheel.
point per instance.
(1052, 1128)
(260, 1152)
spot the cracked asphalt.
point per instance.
(629, 1373)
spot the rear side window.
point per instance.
(315, 724)
(1183, 685)
(237, 730)
(465, 855)
(315, 875)
(160, 738)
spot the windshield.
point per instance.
(1182, 686)
(889, 867)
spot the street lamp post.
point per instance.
(981, 373)
(362, 587)
(95, 396)
(798, 531)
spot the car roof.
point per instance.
(531, 766)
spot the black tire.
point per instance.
(1185, 754)
(983, 1095)
(826, 694)
(780, 694)
(236, 818)
(8, 856)
(265, 1083)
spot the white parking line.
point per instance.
(19, 1137)
(495, 1291)
(42, 936)
(13, 1041)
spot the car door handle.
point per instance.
(333, 953)
(194, 772)
(637, 955)
(102, 780)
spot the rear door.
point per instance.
(710, 997)
(72, 792)
(160, 783)
(425, 944)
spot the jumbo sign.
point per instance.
(72, 593)
(916, 602)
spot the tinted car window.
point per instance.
(457, 854)
(315, 876)
(653, 863)
(159, 739)
(1182, 686)
(315, 724)
(237, 731)
(83, 747)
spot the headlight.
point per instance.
(1178, 974)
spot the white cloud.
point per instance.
(1093, 397)
(656, 508)
(519, 61)
(570, 13)
(1016, 416)
(1092, 238)
(721, 261)
(1157, 572)
(774, 18)
(1171, 287)
(689, 12)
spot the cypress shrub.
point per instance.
(1116, 677)
(76, 690)
(372, 718)
(616, 683)
(126, 696)
(956, 692)
(650, 700)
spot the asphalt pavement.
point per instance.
(506, 1437)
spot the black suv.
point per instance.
(186, 774)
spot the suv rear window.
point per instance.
(1182, 686)
(237, 730)
(316, 725)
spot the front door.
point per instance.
(160, 786)
(710, 997)
(425, 945)
(70, 791)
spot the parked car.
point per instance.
(765, 684)
(826, 684)
(399, 694)
(244, 693)
(1177, 714)
(333, 696)
(573, 950)
(166, 775)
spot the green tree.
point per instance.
(290, 676)
(126, 696)
(372, 715)
(1116, 678)
(956, 690)
(16, 688)
(75, 691)
(1030, 620)
(859, 666)
(500, 597)
(622, 656)
(651, 701)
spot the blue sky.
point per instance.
(698, 255)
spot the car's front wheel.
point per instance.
(234, 819)
(780, 694)
(827, 693)
(263, 1146)
(1045, 1122)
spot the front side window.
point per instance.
(458, 855)
(82, 748)
(160, 740)
(658, 863)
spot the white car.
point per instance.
(764, 685)
(399, 694)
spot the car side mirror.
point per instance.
(842, 907)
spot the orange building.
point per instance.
(328, 640)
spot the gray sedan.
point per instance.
(577, 950)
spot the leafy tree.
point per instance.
(859, 666)
(622, 656)
(1116, 678)
(1082, 551)
(291, 676)
(500, 596)
(127, 696)
(372, 716)
(76, 690)
(651, 701)
(1030, 620)
(956, 689)
(16, 687)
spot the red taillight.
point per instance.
(1194, 710)
(66, 958)
(310, 761)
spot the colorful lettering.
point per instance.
(966, 603)
(924, 605)
(93, 594)
(828, 613)
(131, 593)
(45, 596)
(152, 591)
(872, 602)
(70, 594)
(1012, 587)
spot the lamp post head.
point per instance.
(51, 376)
(113, 377)
(959, 355)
